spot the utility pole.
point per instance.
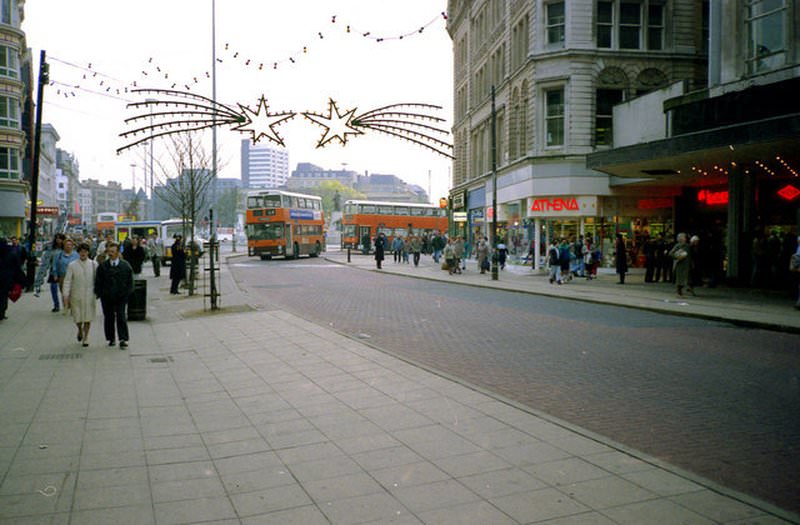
(44, 78)
(494, 190)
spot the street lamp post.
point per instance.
(495, 274)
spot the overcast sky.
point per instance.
(119, 39)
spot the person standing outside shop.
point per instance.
(156, 249)
(620, 258)
(79, 294)
(482, 254)
(380, 246)
(681, 254)
(113, 285)
(794, 270)
(177, 269)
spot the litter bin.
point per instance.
(137, 302)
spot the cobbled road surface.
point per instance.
(712, 398)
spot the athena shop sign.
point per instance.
(567, 206)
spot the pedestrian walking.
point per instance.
(397, 249)
(46, 270)
(156, 250)
(620, 258)
(696, 267)
(682, 256)
(135, 255)
(22, 255)
(554, 263)
(380, 245)
(415, 245)
(11, 276)
(437, 244)
(67, 255)
(177, 269)
(113, 284)
(564, 261)
(79, 293)
(502, 255)
(450, 257)
(650, 259)
(458, 250)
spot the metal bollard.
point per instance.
(348, 254)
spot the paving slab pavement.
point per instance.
(745, 307)
(258, 416)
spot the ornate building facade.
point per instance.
(13, 140)
(558, 69)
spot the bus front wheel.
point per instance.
(317, 250)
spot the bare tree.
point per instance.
(188, 177)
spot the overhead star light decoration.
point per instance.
(408, 121)
(261, 123)
(337, 125)
(176, 112)
(194, 112)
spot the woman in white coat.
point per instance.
(79, 292)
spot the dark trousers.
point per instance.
(114, 316)
(174, 287)
(156, 266)
(416, 258)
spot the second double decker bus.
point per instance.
(284, 223)
(364, 219)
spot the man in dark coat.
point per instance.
(177, 269)
(380, 245)
(135, 255)
(113, 284)
(621, 258)
(10, 274)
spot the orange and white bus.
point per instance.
(284, 223)
(366, 218)
(105, 223)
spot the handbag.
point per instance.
(15, 292)
(681, 255)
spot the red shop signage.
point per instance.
(712, 198)
(557, 204)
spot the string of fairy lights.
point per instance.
(91, 81)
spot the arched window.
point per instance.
(523, 120)
(513, 126)
(649, 80)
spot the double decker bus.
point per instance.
(367, 218)
(105, 223)
(284, 223)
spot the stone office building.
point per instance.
(558, 69)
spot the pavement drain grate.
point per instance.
(45, 357)
(161, 360)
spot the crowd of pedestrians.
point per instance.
(80, 271)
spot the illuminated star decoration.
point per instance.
(408, 121)
(180, 111)
(261, 123)
(337, 125)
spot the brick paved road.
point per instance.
(721, 401)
